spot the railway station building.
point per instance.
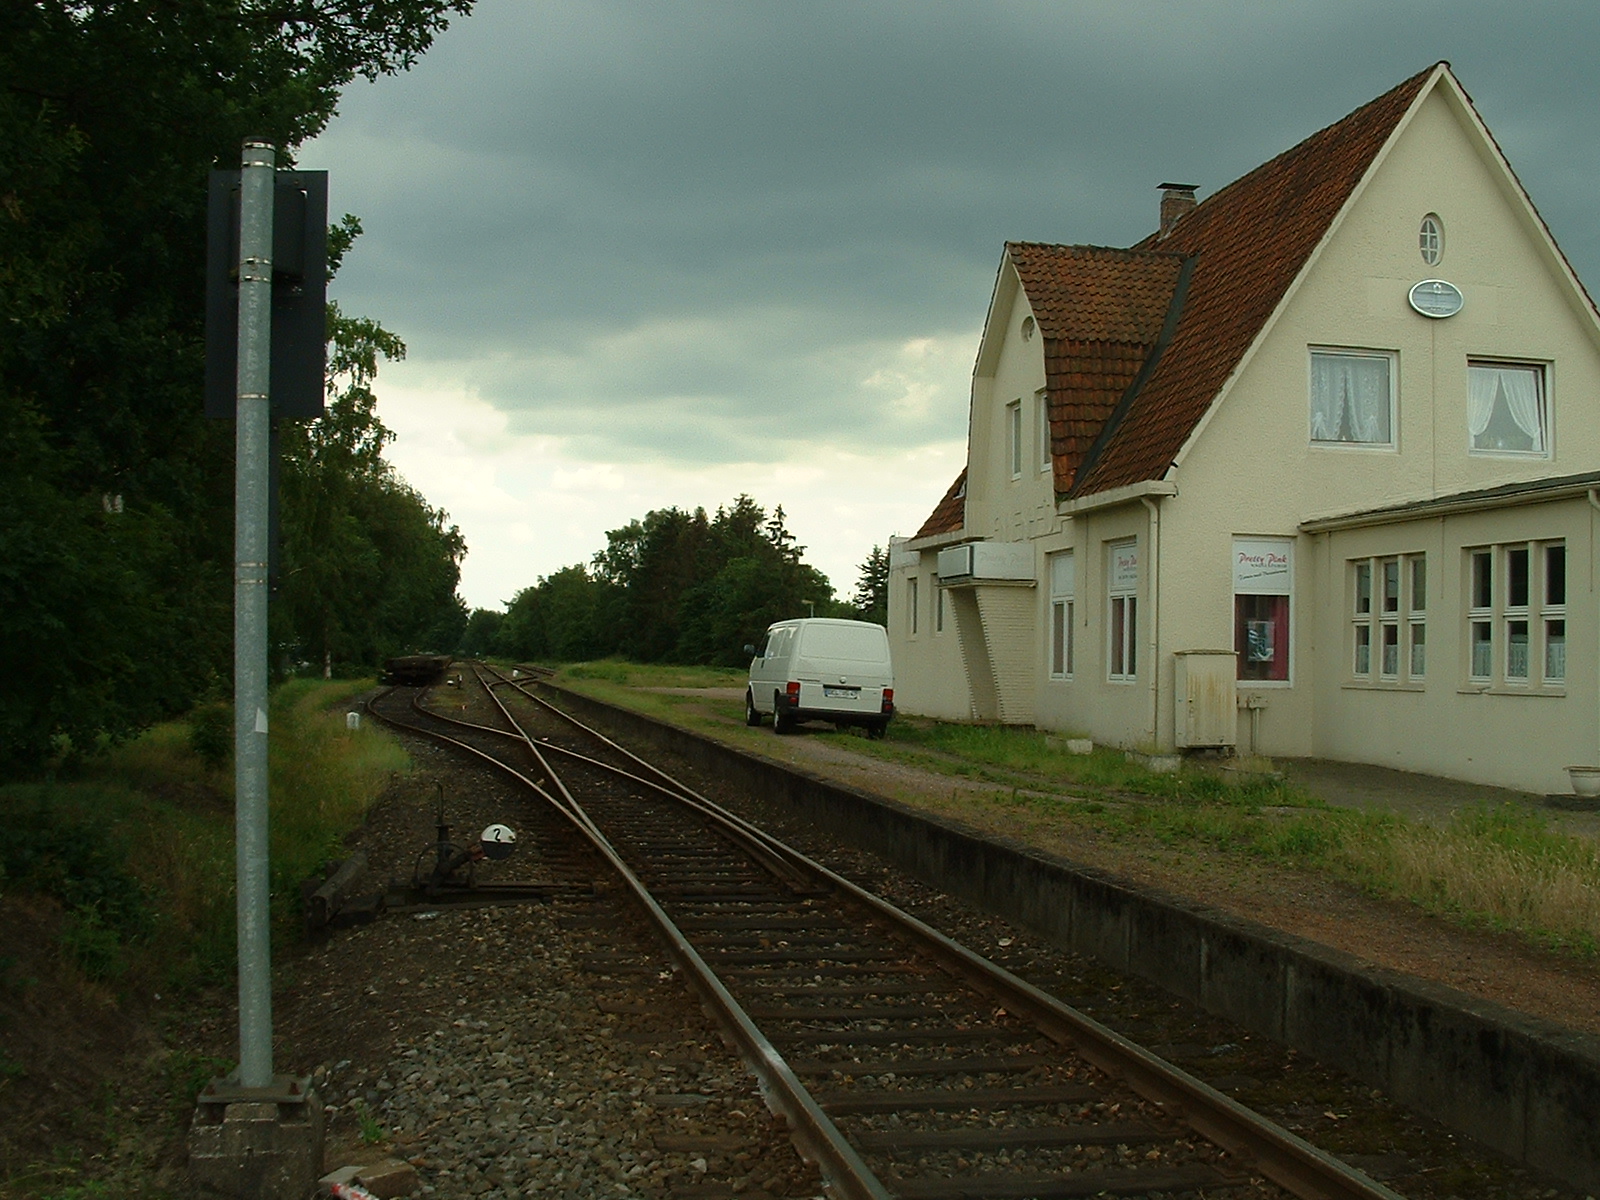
(1313, 469)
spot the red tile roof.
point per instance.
(1099, 312)
(1138, 343)
(948, 515)
(1250, 241)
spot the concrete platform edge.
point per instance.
(1525, 1086)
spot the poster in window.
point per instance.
(1258, 639)
(1261, 637)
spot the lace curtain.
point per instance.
(1349, 398)
(1517, 387)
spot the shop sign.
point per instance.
(1125, 567)
(1262, 567)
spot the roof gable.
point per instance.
(1250, 241)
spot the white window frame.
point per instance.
(1014, 437)
(1122, 613)
(1416, 610)
(1430, 239)
(938, 606)
(1552, 612)
(1522, 628)
(911, 605)
(1390, 359)
(1063, 599)
(1046, 459)
(1477, 369)
(1361, 608)
(1388, 612)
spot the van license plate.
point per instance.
(841, 693)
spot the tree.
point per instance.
(369, 569)
(675, 586)
(115, 493)
(482, 631)
(654, 562)
(871, 597)
(757, 578)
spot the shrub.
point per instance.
(211, 733)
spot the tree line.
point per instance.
(116, 494)
(676, 586)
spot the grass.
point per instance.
(136, 847)
(1503, 868)
(138, 844)
(654, 675)
(1493, 868)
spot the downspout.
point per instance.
(1154, 508)
(1594, 503)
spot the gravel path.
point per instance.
(531, 1088)
(529, 1049)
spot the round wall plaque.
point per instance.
(1436, 298)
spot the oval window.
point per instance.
(1027, 329)
(1430, 239)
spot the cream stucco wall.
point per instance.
(1010, 371)
(928, 675)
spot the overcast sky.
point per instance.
(654, 253)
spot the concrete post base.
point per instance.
(257, 1143)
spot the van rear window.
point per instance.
(860, 643)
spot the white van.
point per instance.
(823, 669)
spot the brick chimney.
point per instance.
(1177, 201)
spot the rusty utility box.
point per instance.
(1205, 699)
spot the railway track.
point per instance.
(905, 1064)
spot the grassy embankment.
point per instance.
(1493, 867)
(133, 848)
(137, 844)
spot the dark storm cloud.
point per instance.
(712, 222)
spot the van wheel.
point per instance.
(752, 716)
(875, 732)
(782, 718)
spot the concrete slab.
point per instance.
(1426, 797)
(258, 1149)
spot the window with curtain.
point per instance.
(1352, 397)
(1506, 409)
(1517, 615)
(1063, 591)
(1122, 593)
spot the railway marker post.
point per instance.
(255, 1134)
